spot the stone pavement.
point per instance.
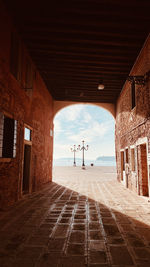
(82, 218)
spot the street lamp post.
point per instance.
(83, 148)
(74, 150)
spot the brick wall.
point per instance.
(33, 107)
(134, 124)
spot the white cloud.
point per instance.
(70, 113)
(94, 130)
(77, 123)
(86, 117)
(62, 151)
(57, 128)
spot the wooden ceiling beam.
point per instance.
(87, 90)
(68, 41)
(37, 29)
(89, 78)
(63, 54)
(80, 99)
(99, 38)
(90, 70)
(88, 73)
(44, 53)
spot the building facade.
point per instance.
(133, 126)
(26, 119)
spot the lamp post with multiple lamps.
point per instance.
(74, 150)
(83, 148)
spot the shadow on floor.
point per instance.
(62, 227)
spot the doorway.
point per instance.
(26, 183)
(142, 170)
(26, 168)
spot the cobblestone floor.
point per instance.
(83, 218)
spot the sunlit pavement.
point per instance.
(83, 218)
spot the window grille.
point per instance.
(8, 137)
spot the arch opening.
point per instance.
(88, 122)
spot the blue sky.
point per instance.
(79, 122)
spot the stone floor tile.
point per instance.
(6, 260)
(78, 226)
(81, 221)
(73, 261)
(56, 244)
(66, 215)
(97, 257)
(47, 226)
(94, 217)
(99, 265)
(76, 249)
(120, 255)
(49, 221)
(29, 252)
(109, 220)
(142, 263)
(142, 253)
(96, 245)
(126, 228)
(65, 220)
(111, 230)
(94, 226)
(38, 240)
(106, 214)
(95, 235)
(61, 231)
(80, 216)
(23, 263)
(77, 237)
(136, 242)
(49, 260)
(115, 240)
(80, 211)
(11, 248)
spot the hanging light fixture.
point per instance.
(101, 86)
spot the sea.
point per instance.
(69, 162)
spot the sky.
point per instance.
(79, 122)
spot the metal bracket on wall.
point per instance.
(139, 79)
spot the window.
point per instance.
(27, 134)
(15, 56)
(133, 92)
(132, 159)
(8, 137)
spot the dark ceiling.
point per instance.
(77, 44)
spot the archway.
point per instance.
(87, 122)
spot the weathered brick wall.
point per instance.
(133, 124)
(34, 109)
